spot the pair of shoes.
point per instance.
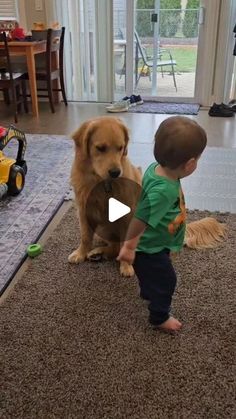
(221, 110)
(134, 100)
(124, 104)
(120, 106)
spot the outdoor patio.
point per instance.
(165, 86)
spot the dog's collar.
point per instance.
(108, 186)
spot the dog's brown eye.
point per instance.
(120, 148)
(101, 148)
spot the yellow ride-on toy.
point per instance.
(12, 172)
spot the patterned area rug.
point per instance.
(167, 108)
(24, 217)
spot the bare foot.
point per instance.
(171, 324)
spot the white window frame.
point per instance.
(228, 77)
(129, 59)
(216, 69)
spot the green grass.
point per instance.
(185, 57)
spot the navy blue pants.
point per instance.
(157, 281)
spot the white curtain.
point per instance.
(104, 50)
(88, 47)
(65, 12)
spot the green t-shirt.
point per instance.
(161, 206)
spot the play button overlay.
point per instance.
(116, 210)
(110, 206)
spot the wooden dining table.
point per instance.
(29, 50)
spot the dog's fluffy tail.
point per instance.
(205, 233)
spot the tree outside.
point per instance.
(177, 31)
(169, 19)
(177, 18)
(190, 23)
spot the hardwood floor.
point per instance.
(221, 131)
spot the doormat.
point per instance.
(166, 108)
(83, 328)
(24, 217)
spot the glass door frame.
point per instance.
(129, 59)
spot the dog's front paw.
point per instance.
(126, 269)
(77, 256)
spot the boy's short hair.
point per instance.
(177, 140)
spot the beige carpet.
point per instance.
(75, 342)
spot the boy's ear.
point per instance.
(190, 164)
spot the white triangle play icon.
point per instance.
(116, 209)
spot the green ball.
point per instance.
(34, 250)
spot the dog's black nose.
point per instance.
(114, 173)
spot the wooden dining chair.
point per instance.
(10, 81)
(45, 71)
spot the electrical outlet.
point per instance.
(39, 5)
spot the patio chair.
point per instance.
(148, 61)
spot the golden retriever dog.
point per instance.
(100, 160)
(101, 155)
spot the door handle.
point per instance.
(154, 17)
(201, 15)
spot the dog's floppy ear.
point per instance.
(126, 140)
(81, 138)
(126, 132)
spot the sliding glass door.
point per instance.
(167, 37)
(165, 47)
(170, 39)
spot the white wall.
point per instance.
(32, 15)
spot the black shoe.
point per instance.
(137, 99)
(221, 110)
(229, 107)
(233, 108)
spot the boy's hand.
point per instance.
(126, 255)
(135, 230)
